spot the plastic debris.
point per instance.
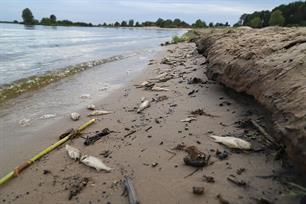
(73, 152)
(232, 142)
(95, 162)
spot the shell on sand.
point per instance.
(99, 112)
(232, 142)
(95, 162)
(73, 152)
(143, 106)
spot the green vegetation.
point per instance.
(187, 37)
(27, 16)
(293, 14)
(277, 18)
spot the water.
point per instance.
(28, 52)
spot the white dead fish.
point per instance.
(48, 116)
(99, 112)
(73, 152)
(232, 142)
(95, 162)
(25, 122)
(75, 116)
(142, 99)
(143, 106)
(85, 96)
(189, 119)
(91, 107)
(156, 88)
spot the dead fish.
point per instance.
(156, 88)
(99, 112)
(91, 107)
(75, 116)
(95, 162)
(48, 116)
(143, 106)
(232, 142)
(73, 152)
(189, 119)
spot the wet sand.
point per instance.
(147, 155)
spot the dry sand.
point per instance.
(50, 179)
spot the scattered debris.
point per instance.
(195, 157)
(195, 80)
(240, 171)
(180, 147)
(76, 185)
(173, 154)
(66, 133)
(202, 112)
(91, 107)
(130, 190)
(73, 152)
(189, 119)
(99, 112)
(130, 133)
(157, 88)
(148, 128)
(222, 200)
(154, 164)
(142, 99)
(198, 190)
(195, 171)
(232, 142)
(75, 116)
(145, 84)
(98, 135)
(143, 105)
(209, 179)
(191, 92)
(95, 162)
(222, 155)
(159, 98)
(106, 153)
(234, 180)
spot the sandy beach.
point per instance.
(148, 156)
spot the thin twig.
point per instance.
(195, 171)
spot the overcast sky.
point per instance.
(98, 11)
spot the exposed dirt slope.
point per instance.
(269, 64)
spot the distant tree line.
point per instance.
(28, 19)
(292, 14)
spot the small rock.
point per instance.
(198, 190)
(85, 96)
(91, 107)
(75, 116)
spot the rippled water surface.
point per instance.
(28, 51)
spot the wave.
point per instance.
(16, 88)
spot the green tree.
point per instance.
(137, 24)
(53, 18)
(255, 22)
(117, 24)
(131, 23)
(211, 25)
(27, 16)
(123, 23)
(199, 24)
(159, 22)
(277, 18)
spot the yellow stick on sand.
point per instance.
(23, 166)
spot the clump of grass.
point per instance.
(186, 37)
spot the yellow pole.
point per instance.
(23, 166)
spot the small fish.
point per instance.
(95, 162)
(232, 142)
(143, 106)
(189, 119)
(99, 112)
(156, 88)
(73, 152)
